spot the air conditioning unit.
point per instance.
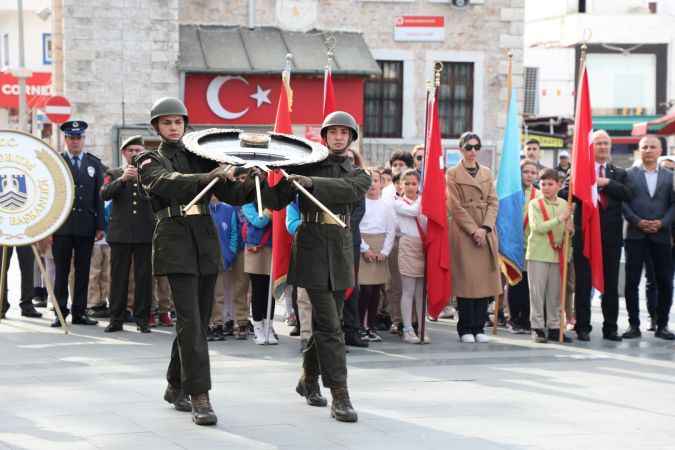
(460, 3)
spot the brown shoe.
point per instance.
(202, 412)
(308, 387)
(241, 332)
(341, 409)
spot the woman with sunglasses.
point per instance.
(473, 206)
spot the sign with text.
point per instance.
(38, 89)
(419, 29)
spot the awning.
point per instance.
(240, 50)
(663, 126)
(618, 123)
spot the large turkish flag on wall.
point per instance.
(251, 100)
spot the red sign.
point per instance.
(38, 89)
(252, 100)
(420, 21)
(419, 28)
(58, 109)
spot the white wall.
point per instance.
(34, 27)
(556, 80)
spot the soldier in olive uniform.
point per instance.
(129, 235)
(322, 259)
(186, 249)
(84, 225)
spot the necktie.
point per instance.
(76, 162)
(602, 195)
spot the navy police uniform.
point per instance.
(77, 234)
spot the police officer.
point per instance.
(130, 236)
(83, 226)
(26, 260)
(322, 259)
(186, 249)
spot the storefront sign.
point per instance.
(252, 99)
(38, 89)
(419, 28)
(545, 141)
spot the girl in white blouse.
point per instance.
(412, 226)
(378, 231)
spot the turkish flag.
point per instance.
(328, 93)
(281, 240)
(436, 243)
(584, 185)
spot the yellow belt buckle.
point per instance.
(192, 210)
(328, 220)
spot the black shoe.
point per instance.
(632, 333)
(295, 331)
(99, 312)
(177, 398)
(341, 409)
(113, 327)
(612, 336)
(29, 311)
(583, 336)
(308, 387)
(554, 335)
(83, 320)
(56, 323)
(352, 338)
(228, 328)
(539, 336)
(652, 325)
(143, 327)
(202, 412)
(40, 302)
(218, 333)
(664, 333)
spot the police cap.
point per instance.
(342, 119)
(74, 127)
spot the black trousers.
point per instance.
(260, 288)
(351, 318)
(26, 260)
(368, 303)
(611, 256)
(62, 249)
(325, 351)
(651, 293)
(519, 303)
(121, 256)
(472, 315)
(189, 367)
(637, 251)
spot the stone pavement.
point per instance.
(91, 390)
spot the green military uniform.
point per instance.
(187, 251)
(322, 258)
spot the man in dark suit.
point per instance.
(129, 235)
(84, 224)
(650, 215)
(613, 190)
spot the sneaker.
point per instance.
(165, 320)
(259, 333)
(410, 337)
(218, 331)
(292, 320)
(272, 338)
(228, 328)
(373, 336)
(427, 338)
(395, 329)
(539, 336)
(448, 313)
(152, 320)
(467, 339)
(363, 334)
(482, 338)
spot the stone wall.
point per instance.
(118, 58)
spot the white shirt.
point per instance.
(379, 219)
(407, 216)
(651, 176)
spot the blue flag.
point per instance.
(511, 200)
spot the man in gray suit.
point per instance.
(650, 215)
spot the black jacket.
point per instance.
(131, 217)
(86, 216)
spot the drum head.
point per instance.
(237, 147)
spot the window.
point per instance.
(531, 83)
(383, 102)
(455, 99)
(4, 50)
(46, 48)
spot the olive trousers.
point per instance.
(325, 351)
(189, 367)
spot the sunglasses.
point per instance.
(469, 147)
(419, 157)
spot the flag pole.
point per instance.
(566, 235)
(509, 85)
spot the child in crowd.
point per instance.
(519, 294)
(257, 232)
(548, 217)
(378, 231)
(240, 279)
(385, 175)
(227, 225)
(411, 224)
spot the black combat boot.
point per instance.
(202, 412)
(308, 387)
(177, 398)
(341, 408)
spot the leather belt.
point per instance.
(179, 211)
(323, 218)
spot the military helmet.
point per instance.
(342, 119)
(168, 106)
